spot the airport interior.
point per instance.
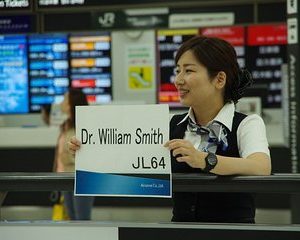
(120, 54)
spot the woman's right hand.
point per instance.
(73, 145)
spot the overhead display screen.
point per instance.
(48, 69)
(168, 42)
(90, 66)
(13, 74)
(91, 3)
(14, 4)
(266, 52)
(60, 3)
(17, 24)
(234, 35)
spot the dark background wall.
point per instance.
(82, 18)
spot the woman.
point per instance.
(78, 207)
(212, 137)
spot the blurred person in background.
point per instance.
(78, 207)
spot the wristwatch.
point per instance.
(211, 161)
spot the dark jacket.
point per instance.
(207, 206)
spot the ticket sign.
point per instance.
(122, 152)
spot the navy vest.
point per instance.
(207, 206)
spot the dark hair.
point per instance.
(46, 110)
(218, 55)
(76, 98)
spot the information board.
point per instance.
(48, 69)
(90, 66)
(234, 35)
(266, 53)
(13, 74)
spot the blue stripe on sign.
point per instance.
(113, 184)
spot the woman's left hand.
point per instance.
(186, 152)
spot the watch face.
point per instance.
(212, 159)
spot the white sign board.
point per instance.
(180, 20)
(122, 152)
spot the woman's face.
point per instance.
(192, 81)
(65, 105)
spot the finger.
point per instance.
(73, 146)
(75, 141)
(72, 152)
(182, 143)
(177, 151)
(71, 149)
(183, 159)
(175, 145)
(182, 151)
(173, 141)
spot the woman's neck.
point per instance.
(205, 113)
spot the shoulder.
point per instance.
(252, 120)
(251, 136)
(242, 120)
(252, 124)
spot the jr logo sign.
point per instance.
(107, 19)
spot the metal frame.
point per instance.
(276, 183)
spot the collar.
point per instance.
(224, 116)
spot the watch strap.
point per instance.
(208, 165)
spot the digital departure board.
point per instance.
(234, 35)
(266, 52)
(48, 69)
(17, 24)
(13, 74)
(168, 42)
(90, 66)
